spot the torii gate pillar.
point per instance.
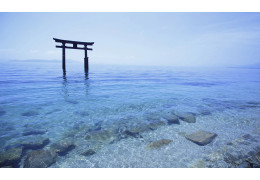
(63, 58)
(86, 59)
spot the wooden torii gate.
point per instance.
(74, 46)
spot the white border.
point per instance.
(129, 6)
(129, 174)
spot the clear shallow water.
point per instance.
(113, 99)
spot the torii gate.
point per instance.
(75, 46)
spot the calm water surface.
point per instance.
(117, 111)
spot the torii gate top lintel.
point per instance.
(73, 42)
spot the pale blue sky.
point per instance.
(170, 39)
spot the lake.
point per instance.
(128, 116)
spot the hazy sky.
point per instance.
(171, 39)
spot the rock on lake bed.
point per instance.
(11, 157)
(63, 147)
(40, 159)
(201, 138)
(159, 143)
(186, 116)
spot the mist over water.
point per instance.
(117, 111)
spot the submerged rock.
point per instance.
(171, 118)
(158, 144)
(248, 137)
(201, 138)
(40, 159)
(30, 113)
(2, 112)
(254, 160)
(11, 157)
(235, 158)
(152, 116)
(101, 136)
(63, 147)
(88, 152)
(96, 127)
(141, 127)
(155, 124)
(244, 165)
(186, 116)
(130, 133)
(36, 143)
(202, 110)
(34, 132)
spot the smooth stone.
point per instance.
(158, 144)
(101, 136)
(40, 159)
(152, 116)
(89, 152)
(130, 133)
(30, 113)
(155, 124)
(186, 116)
(37, 143)
(33, 132)
(201, 138)
(63, 147)
(11, 157)
(141, 127)
(171, 118)
(2, 112)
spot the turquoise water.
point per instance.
(95, 112)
